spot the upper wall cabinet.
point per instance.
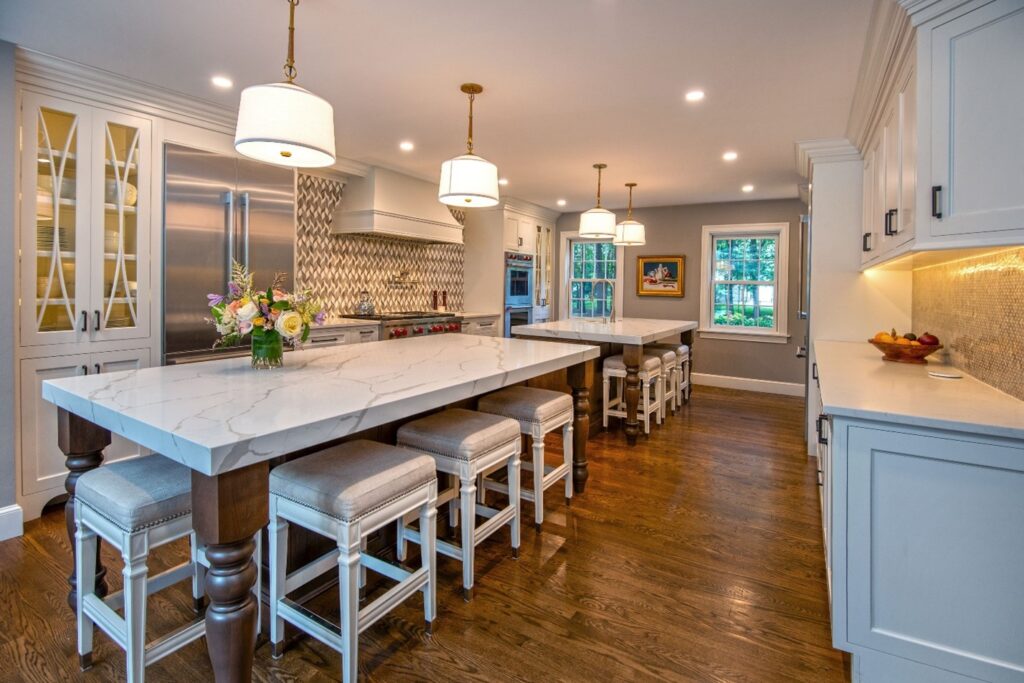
(85, 223)
(943, 151)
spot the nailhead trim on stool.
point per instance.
(538, 412)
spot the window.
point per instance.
(590, 261)
(744, 271)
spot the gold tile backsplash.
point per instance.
(975, 307)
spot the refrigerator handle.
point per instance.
(805, 229)
(229, 228)
(245, 228)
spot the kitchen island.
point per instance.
(226, 421)
(630, 333)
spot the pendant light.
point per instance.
(281, 123)
(630, 233)
(469, 181)
(598, 223)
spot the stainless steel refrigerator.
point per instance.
(218, 208)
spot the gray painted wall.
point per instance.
(8, 152)
(673, 230)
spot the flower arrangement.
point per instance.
(270, 316)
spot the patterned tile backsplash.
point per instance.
(399, 275)
(974, 307)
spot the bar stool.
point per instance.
(684, 361)
(538, 412)
(466, 443)
(670, 370)
(650, 373)
(136, 505)
(345, 493)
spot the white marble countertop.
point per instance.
(346, 322)
(622, 331)
(222, 415)
(856, 382)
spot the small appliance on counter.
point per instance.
(413, 323)
(365, 305)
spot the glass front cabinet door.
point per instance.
(85, 223)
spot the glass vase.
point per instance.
(267, 350)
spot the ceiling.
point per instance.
(567, 83)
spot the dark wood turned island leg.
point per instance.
(82, 444)
(227, 511)
(580, 378)
(631, 357)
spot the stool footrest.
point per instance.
(154, 584)
(369, 615)
(167, 644)
(392, 571)
(109, 621)
(303, 575)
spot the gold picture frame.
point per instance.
(660, 275)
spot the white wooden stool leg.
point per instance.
(135, 573)
(606, 405)
(362, 569)
(467, 501)
(428, 552)
(567, 452)
(401, 545)
(659, 390)
(348, 587)
(481, 490)
(278, 573)
(198, 573)
(515, 500)
(538, 480)
(85, 570)
(453, 512)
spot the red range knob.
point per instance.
(417, 330)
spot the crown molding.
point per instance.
(888, 50)
(530, 209)
(921, 11)
(105, 88)
(823, 151)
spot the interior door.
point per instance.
(977, 106)
(199, 207)
(266, 219)
(55, 220)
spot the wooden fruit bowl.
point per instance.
(902, 353)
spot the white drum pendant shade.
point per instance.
(597, 223)
(630, 233)
(281, 123)
(468, 181)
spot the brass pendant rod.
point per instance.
(629, 211)
(290, 72)
(599, 167)
(469, 139)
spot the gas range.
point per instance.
(413, 323)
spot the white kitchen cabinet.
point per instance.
(904, 221)
(333, 336)
(85, 223)
(520, 233)
(484, 326)
(975, 98)
(42, 469)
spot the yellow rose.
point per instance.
(289, 324)
(258, 322)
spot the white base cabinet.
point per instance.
(42, 469)
(483, 325)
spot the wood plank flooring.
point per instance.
(695, 556)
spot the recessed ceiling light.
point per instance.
(695, 96)
(730, 156)
(222, 82)
(406, 146)
(503, 181)
(561, 202)
(747, 188)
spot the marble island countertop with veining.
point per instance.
(622, 331)
(855, 382)
(222, 415)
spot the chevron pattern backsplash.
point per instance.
(337, 267)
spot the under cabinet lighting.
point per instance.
(503, 181)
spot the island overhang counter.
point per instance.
(226, 421)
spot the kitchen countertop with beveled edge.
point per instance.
(222, 415)
(855, 382)
(622, 331)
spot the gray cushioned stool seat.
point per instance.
(667, 356)
(527, 404)
(682, 350)
(352, 479)
(648, 364)
(137, 493)
(459, 433)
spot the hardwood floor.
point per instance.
(694, 556)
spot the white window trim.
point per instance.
(564, 264)
(707, 327)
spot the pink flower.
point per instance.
(233, 305)
(279, 294)
(244, 327)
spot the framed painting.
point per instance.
(660, 275)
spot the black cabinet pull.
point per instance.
(85, 369)
(85, 321)
(936, 211)
(885, 223)
(822, 439)
(97, 367)
(814, 371)
(97, 327)
(864, 244)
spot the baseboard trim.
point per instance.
(11, 523)
(748, 384)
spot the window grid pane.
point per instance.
(591, 261)
(744, 281)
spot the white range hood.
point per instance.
(390, 204)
